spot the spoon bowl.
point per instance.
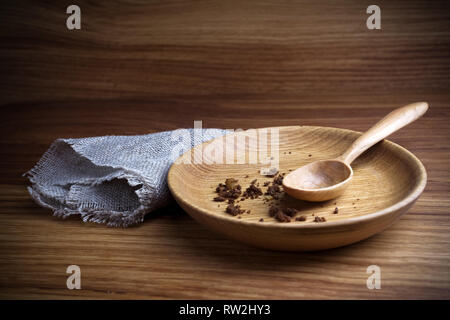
(319, 180)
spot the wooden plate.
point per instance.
(387, 180)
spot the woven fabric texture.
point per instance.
(114, 180)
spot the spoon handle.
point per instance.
(394, 121)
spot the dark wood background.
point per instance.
(143, 66)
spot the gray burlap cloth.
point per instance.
(112, 179)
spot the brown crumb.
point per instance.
(273, 210)
(309, 155)
(252, 191)
(239, 217)
(301, 218)
(280, 216)
(261, 220)
(229, 190)
(319, 219)
(234, 210)
(232, 193)
(231, 183)
(274, 191)
(290, 211)
(336, 210)
(278, 180)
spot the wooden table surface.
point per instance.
(137, 67)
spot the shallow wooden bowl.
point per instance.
(387, 180)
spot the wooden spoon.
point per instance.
(327, 179)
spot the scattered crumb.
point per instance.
(229, 190)
(274, 191)
(290, 211)
(278, 179)
(336, 210)
(234, 210)
(319, 219)
(280, 216)
(273, 210)
(232, 193)
(231, 183)
(252, 191)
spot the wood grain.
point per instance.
(139, 67)
(391, 123)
